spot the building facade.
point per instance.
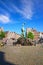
(12, 35)
(37, 35)
(10, 38)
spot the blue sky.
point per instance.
(13, 13)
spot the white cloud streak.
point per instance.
(26, 9)
(3, 12)
(4, 19)
(9, 9)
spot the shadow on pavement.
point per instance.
(2, 60)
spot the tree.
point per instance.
(30, 35)
(2, 34)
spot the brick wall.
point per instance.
(36, 34)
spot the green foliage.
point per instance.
(2, 34)
(30, 35)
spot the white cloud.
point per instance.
(4, 19)
(26, 8)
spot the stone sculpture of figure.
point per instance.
(23, 30)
